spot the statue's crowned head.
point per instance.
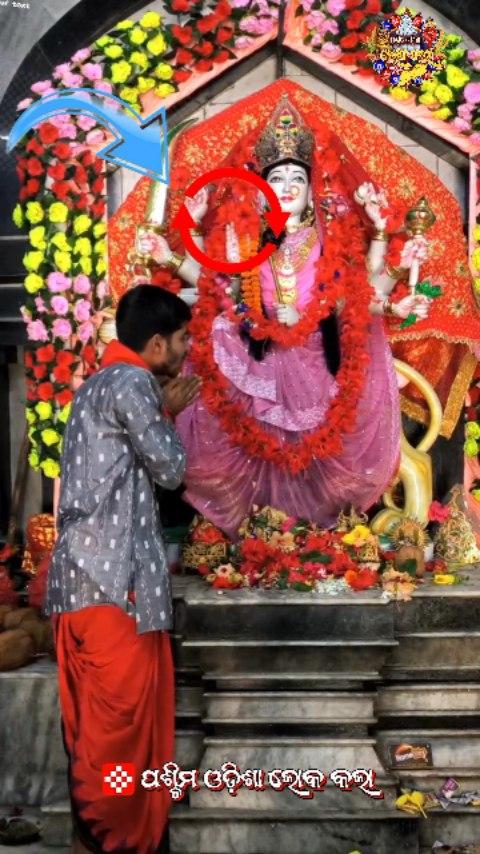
(285, 139)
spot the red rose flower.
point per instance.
(45, 391)
(221, 56)
(28, 359)
(204, 48)
(181, 74)
(20, 173)
(183, 56)
(88, 159)
(208, 23)
(98, 184)
(81, 176)
(61, 189)
(373, 7)
(48, 133)
(349, 42)
(355, 20)
(88, 354)
(183, 35)
(98, 166)
(32, 187)
(179, 6)
(224, 34)
(348, 59)
(203, 65)
(353, 4)
(361, 580)
(64, 397)
(35, 167)
(65, 358)
(33, 147)
(98, 209)
(223, 9)
(61, 150)
(39, 371)
(57, 171)
(81, 203)
(62, 374)
(46, 353)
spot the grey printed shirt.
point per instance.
(109, 542)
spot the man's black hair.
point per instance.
(147, 310)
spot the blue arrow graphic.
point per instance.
(139, 144)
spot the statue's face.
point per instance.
(290, 184)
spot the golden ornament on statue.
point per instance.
(455, 541)
(420, 218)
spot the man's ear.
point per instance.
(159, 346)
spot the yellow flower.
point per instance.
(64, 413)
(476, 284)
(82, 224)
(33, 283)
(471, 448)
(359, 535)
(57, 212)
(443, 93)
(17, 216)
(124, 25)
(113, 51)
(33, 260)
(429, 85)
(137, 36)
(63, 260)
(164, 71)
(99, 229)
(139, 58)
(476, 233)
(31, 433)
(443, 113)
(34, 212)
(83, 246)
(476, 258)
(128, 93)
(455, 53)
(472, 430)
(37, 237)
(444, 578)
(399, 94)
(157, 45)
(164, 89)
(428, 99)
(145, 84)
(60, 241)
(453, 39)
(30, 416)
(100, 247)
(44, 410)
(34, 459)
(150, 20)
(103, 40)
(86, 265)
(456, 77)
(50, 436)
(50, 467)
(101, 267)
(121, 71)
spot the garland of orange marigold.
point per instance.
(340, 275)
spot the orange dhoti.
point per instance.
(117, 702)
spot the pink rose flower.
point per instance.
(102, 289)
(22, 105)
(335, 7)
(474, 54)
(82, 284)
(328, 27)
(82, 310)
(330, 51)
(78, 148)
(68, 131)
(81, 55)
(59, 121)
(41, 307)
(465, 111)
(242, 42)
(60, 70)
(60, 305)
(307, 5)
(36, 331)
(41, 87)
(103, 86)
(240, 4)
(475, 137)
(471, 93)
(94, 137)
(58, 282)
(317, 40)
(70, 79)
(92, 71)
(256, 26)
(461, 125)
(314, 19)
(62, 329)
(86, 331)
(85, 122)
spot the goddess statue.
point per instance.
(300, 404)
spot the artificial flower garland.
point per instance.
(62, 196)
(340, 274)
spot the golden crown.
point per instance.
(285, 137)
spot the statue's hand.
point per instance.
(197, 207)
(287, 314)
(415, 249)
(232, 245)
(367, 196)
(149, 243)
(417, 305)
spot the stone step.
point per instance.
(427, 699)
(292, 707)
(286, 681)
(221, 831)
(437, 655)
